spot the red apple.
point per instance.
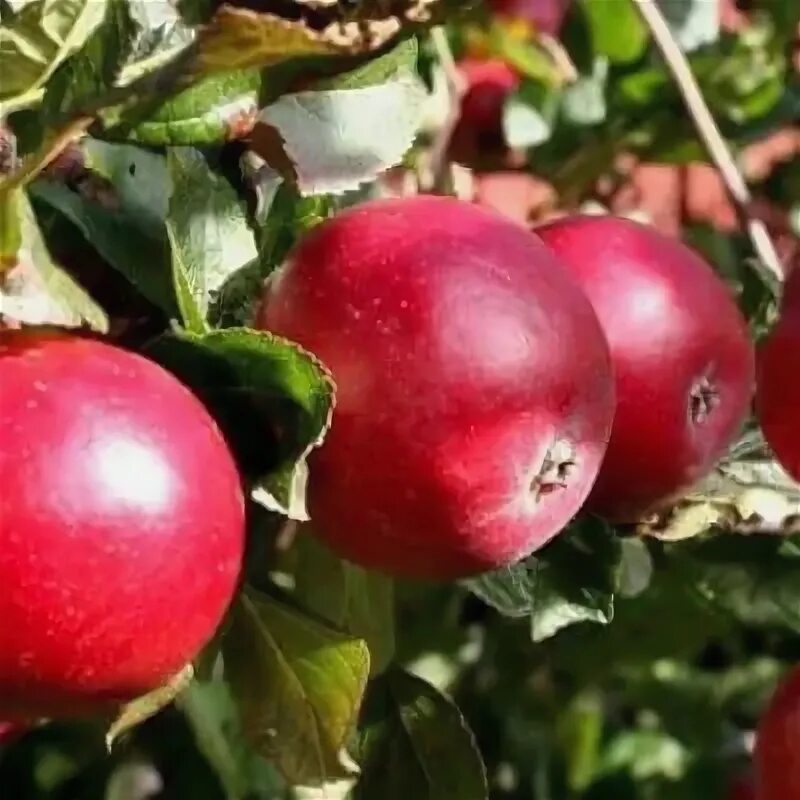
(778, 397)
(9, 731)
(474, 388)
(777, 754)
(682, 358)
(742, 789)
(479, 131)
(546, 15)
(121, 525)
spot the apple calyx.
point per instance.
(703, 400)
(558, 464)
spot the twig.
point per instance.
(48, 151)
(567, 71)
(436, 163)
(713, 140)
(287, 535)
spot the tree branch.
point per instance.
(770, 265)
(436, 162)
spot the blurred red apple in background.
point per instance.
(777, 755)
(778, 397)
(479, 132)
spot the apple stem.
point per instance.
(769, 263)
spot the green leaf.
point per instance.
(39, 37)
(617, 30)
(525, 54)
(298, 685)
(572, 580)
(215, 110)
(239, 38)
(529, 114)
(647, 754)
(399, 62)
(210, 710)
(10, 227)
(365, 131)
(273, 400)
(164, 30)
(287, 218)
(636, 568)
(209, 235)
(129, 233)
(645, 87)
(94, 70)
(750, 81)
(584, 102)
(581, 735)
(38, 291)
(694, 23)
(281, 217)
(414, 742)
(646, 630)
(367, 116)
(351, 598)
(754, 579)
(692, 702)
(142, 708)
(125, 70)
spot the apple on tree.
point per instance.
(9, 731)
(475, 394)
(121, 525)
(778, 395)
(479, 131)
(682, 358)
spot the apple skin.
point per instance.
(742, 789)
(466, 359)
(682, 357)
(479, 131)
(778, 393)
(121, 525)
(777, 753)
(9, 731)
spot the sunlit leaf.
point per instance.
(298, 686)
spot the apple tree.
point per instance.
(399, 398)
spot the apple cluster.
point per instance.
(492, 382)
